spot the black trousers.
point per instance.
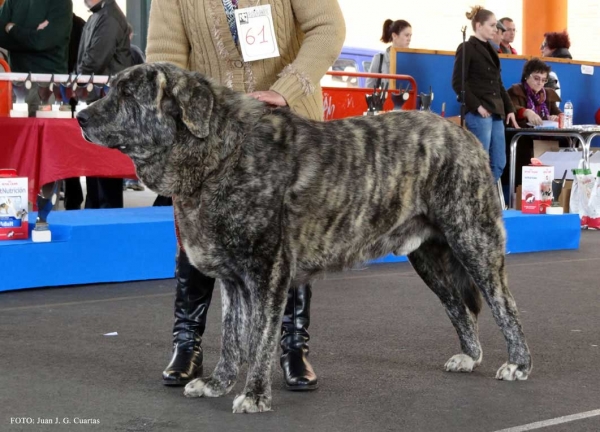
(162, 201)
(73, 194)
(104, 193)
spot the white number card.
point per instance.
(256, 33)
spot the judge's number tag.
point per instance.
(256, 33)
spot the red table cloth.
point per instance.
(46, 150)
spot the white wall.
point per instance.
(584, 29)
(436, 23)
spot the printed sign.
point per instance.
(256, 33)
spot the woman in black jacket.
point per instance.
(487, 103)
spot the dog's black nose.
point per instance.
(82, 118)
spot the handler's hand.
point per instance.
(43, 25)
(510, 118)
(271, 97)
(553, 118)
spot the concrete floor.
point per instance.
(380, 339)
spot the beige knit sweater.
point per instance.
(194, 34)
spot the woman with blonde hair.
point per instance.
(399, 34)
(488, 105)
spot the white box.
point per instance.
(14, 220)
(536, 189)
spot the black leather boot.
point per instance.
(192, 299)
(297, 371)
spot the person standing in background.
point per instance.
(36, 34)
(104, 50)
(202, 35)
(556, 45)
(486, 99)
(508, 36)
(399, 34)
(497, 40)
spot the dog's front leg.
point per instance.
(235, 317)
(263, 333)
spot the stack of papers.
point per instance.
(546, 124)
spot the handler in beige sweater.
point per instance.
(201, 35)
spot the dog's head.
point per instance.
(149, 109)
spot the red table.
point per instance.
(46, 150)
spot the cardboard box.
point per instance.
(563, 199)
(542, 146)
(536, 193)
(14, 221)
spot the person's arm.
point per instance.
(472, 102)
(102, 47)
(167, 39)
(508, 105)
(7, 42)
(56, 33)
(325, 31)
(517, 103)
(375, 64)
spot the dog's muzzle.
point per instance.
(83, 119)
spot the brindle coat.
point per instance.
(265, 198)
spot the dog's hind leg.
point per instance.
(478, 240)
(435, 262)
(264, 330)
(235, 310)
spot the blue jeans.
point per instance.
(490, 131)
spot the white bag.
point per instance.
(593, 221)
(581, 193)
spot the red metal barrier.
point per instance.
(341, 102)
(5, 92)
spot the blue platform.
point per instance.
(96, 246)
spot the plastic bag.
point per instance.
(593, 221)
(581, 193)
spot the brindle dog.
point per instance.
(265, 198)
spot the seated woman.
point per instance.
(533, 104)
(397, 32)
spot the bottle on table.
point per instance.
(568, 114)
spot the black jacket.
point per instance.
(137, 55)
(76, 31)
(483, 82)
(561, 53)
(104, 46)
(33, 50)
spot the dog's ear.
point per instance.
(195, 100)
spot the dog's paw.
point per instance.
(206, 387)
(251, 403)
(512, 372)
(461, 363)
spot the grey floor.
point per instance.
(380, 339)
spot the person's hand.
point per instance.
(533, 118)
(483, 112)
(8, 26)
(510, 119)
(271, 97)
(43, 25)
(553, 118)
